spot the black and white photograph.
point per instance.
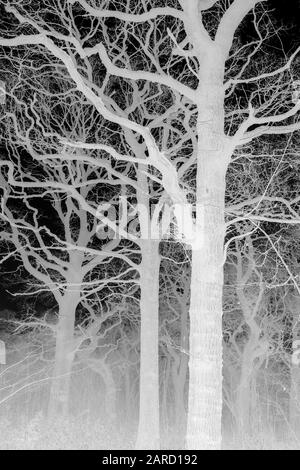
(149, 227)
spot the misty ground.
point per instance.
(24, 395)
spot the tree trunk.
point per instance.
(205, 364)
(179, 380)
(180, 376)
(64, 356)
(148, 436)
(110, 394)
(294, 405)
(127, 402)
(294, 402)
(244, 399)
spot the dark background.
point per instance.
(286, 13)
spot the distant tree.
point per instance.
(219, 95)
(46, 230)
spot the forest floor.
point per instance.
(73, 434)
(261, 441)
(63, 435)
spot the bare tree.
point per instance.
(47, 231)
(192, 51)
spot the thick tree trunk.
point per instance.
(148, 436)
(205, 364)
(64, 357)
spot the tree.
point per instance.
(63, 260)
(174, 337)
(193, 52)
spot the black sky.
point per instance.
(286, 12)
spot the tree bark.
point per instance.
(244, 397)
(179, 380)
(205, 363)
(148, 436)
(64, 356)
(180, 376)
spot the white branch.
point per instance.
(231, 20)
(130, 17)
